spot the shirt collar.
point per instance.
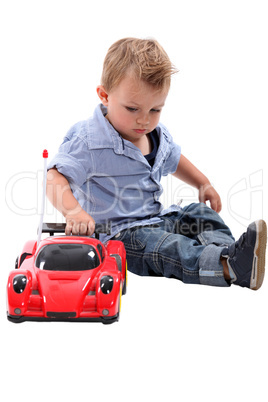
(105, 136)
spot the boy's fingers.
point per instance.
(72, 227)
(79, 228)
(213, 205)
(68, 228)
(216, 205)
(90, 228)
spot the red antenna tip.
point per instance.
(45, 154)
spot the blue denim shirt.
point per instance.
(110, 177)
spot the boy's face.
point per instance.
(134, 107)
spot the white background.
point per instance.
(173, 341)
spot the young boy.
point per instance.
(109, 169)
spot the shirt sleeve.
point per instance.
(172, 152)
(171, 164)
(73, 159)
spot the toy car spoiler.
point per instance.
(52, 228)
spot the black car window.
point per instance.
(67, 257)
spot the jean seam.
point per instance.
(202, 240)
(132, 246)
(156, 253)
(152, 256)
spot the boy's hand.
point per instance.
(208, 193)
(188, 173)
(79, 224)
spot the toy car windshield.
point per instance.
(67, 257)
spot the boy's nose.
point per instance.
(143, 120)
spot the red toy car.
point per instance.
(67, 278)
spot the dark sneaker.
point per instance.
(246, 257)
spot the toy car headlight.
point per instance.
(106, 284)
(19, 283)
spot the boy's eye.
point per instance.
(131, 109)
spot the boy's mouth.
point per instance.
(139, 131)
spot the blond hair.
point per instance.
(143, 57)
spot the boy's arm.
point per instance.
(60, 195)
(188, 173)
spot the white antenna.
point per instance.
(45, 156)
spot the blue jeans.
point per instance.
(186, 245)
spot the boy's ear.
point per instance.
(103, 95)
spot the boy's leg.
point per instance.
(186, 245)
(200, 222)
(152, 250)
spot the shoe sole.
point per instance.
(258, 269)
